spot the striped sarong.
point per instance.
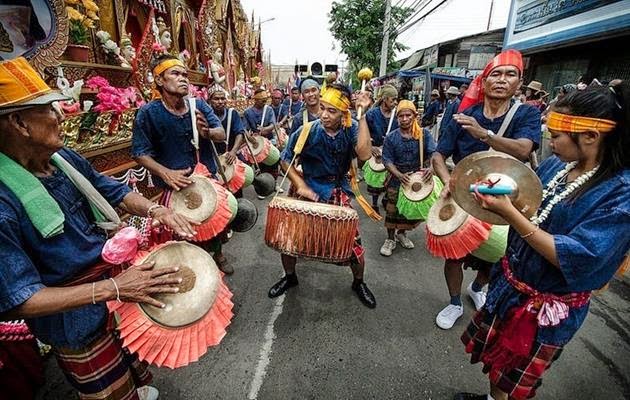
(103, 370)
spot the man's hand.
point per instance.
(202, 125)
(376, 152)
(363, 101)
(177, 222)
(471, 125)
(230, 157)
(307, 193)
(403, 178)
(138, 283)
(176, 179)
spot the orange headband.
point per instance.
(261, 95)
(576, 124)
(335, 98)
(166, 64)
(416, 131)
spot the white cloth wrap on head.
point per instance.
(308, 83)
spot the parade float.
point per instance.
(99, 51)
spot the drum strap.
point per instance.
(533, 158)
(229, 127)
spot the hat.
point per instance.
(535, 86)
(452, 90)
(435, 92)
(21, 87)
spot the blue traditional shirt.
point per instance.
(404, 153)
(280, 111)
(252, 117)
(449, 111)
(168, 137)
(325, 159)
(591, 235)
(31, 262)
(298, 119)
(296, 107)
(457, 142)
(236, 128)
(432, 111)
(378, 123)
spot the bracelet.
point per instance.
(117, 291)
(153, 208)
(525, 236)
(93, 287)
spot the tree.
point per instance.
(358, 26)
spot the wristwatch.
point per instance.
(489, 134)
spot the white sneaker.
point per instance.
(148, 393)
(261, 197)
(279, 189)
(479, 298)
(404, 241)
(448, 316)
(388, 247)
(230, 233)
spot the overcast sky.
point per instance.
(300, 30)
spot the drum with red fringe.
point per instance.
(194, 319)
(282, 138)
(307, 229)
(452, 233)
(204, 201)
(260, 146)
(235, 174)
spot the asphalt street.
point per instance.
(320, 342)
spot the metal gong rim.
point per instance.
(197, 201)
(479, 167)
(445, 217)
(191, 303)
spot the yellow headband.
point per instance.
(166, 64)
(335, 98)
(261, 96)
(576, 124)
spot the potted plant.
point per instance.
(81, 15)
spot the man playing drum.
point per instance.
(53, 274)
(162, 136)
(229, 117)
(378, 119)
(326, 156)
(481, 114)
(401, 156)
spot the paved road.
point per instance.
(319, 342)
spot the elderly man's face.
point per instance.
(174, 81)
(311, 96)
(276, 98)
(502, 82)
(40, 126)
(260, 102)
(389, 102)
(218, 102)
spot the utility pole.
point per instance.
(490, 14)
(385, 46)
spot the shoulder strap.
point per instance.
(304, 116)
(264, 114)
(229, 126)
(193, 116)
(301, 141)
(508, 118)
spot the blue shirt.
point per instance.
(252, 117)
(404, 153)
(31, 262)
(457, 142)
(433, 109)
(591, 236)
(280, 111)
(451, 109)
(298, 119)
(378, 123)
(236, 128)
(296, 106)
(168, 137)
(325, 159)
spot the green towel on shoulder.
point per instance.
(41, 208)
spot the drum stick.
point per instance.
(217, 161)
(250, 151)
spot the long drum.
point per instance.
(307, 229)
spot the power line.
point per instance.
(427, 2)
(420, 18)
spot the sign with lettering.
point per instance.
(542, 12)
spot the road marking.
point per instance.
(265, 351)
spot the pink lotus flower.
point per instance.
(96, 82)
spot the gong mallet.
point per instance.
(364, 76)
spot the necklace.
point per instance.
(178, 113)
(550, 189)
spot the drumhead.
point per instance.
(228, 169)
(198, 290)
(376, 164)
(445, 217)
(256, 144)
(197, 201)
(311, 207)
(418, 189)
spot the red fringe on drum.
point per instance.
(173, 347)
(260, 157)
(238, 179)
(460, 243)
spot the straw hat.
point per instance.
(452, 90)
(21, 87)
(535, 86)
(435, 92)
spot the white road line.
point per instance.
(265, 351)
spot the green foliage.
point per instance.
(358, 26)
(78, 34)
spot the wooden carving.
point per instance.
(47, 54)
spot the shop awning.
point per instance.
(414, 60)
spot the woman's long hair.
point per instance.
(611, 103)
